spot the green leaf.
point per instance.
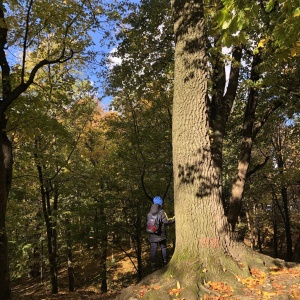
(296, 12)
(226, 24)
(270, 5)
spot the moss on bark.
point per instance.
(190, 277)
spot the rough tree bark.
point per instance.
(202, 230)
(203, 235)
(206, 248)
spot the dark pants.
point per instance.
(153, 251)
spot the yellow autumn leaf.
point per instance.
(262, 43)
(296, 12)
(268, 295)
(295, 51)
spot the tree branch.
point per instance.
(143, 185)
(268, 113)
(25, 41)
(258, 167)
(24, 86)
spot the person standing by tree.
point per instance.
(160, 236)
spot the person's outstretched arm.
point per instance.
(166, 220)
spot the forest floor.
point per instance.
(120, 274)
(277, 284)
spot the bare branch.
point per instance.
(268, 113)
(258, 167)
(25, 41)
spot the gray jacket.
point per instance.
(163, 220)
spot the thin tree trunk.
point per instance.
(96, 231)
(221, 105)
(275, 238)
(103, 231)
(238, 185)
(287, 225)
(6, 162)
(51, 242)
(139, 246)
(50, 220)
(277, 143)
(275, 225)
(42, 260)
(259, 240)
(251, 231)
(9, 95)
(71, 277)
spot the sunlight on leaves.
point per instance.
(222, 288)
(258, 273)
(175, 292)
(145, 288)
(262, 43)
(276, 271)
(258, 278)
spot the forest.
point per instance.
(106, 104)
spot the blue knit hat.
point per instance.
(157, 200)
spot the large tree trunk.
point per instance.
(204, 240)
(205, 247)
(196, 181)
(203, 228)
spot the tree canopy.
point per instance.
(203, 112)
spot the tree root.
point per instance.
(193, 273)
(206, 290)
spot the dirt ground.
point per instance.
(277, 284)
(120, 275)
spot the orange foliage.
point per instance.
(145, 288)
(175, 292)
(222, 288)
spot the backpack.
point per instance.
(153, 224)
